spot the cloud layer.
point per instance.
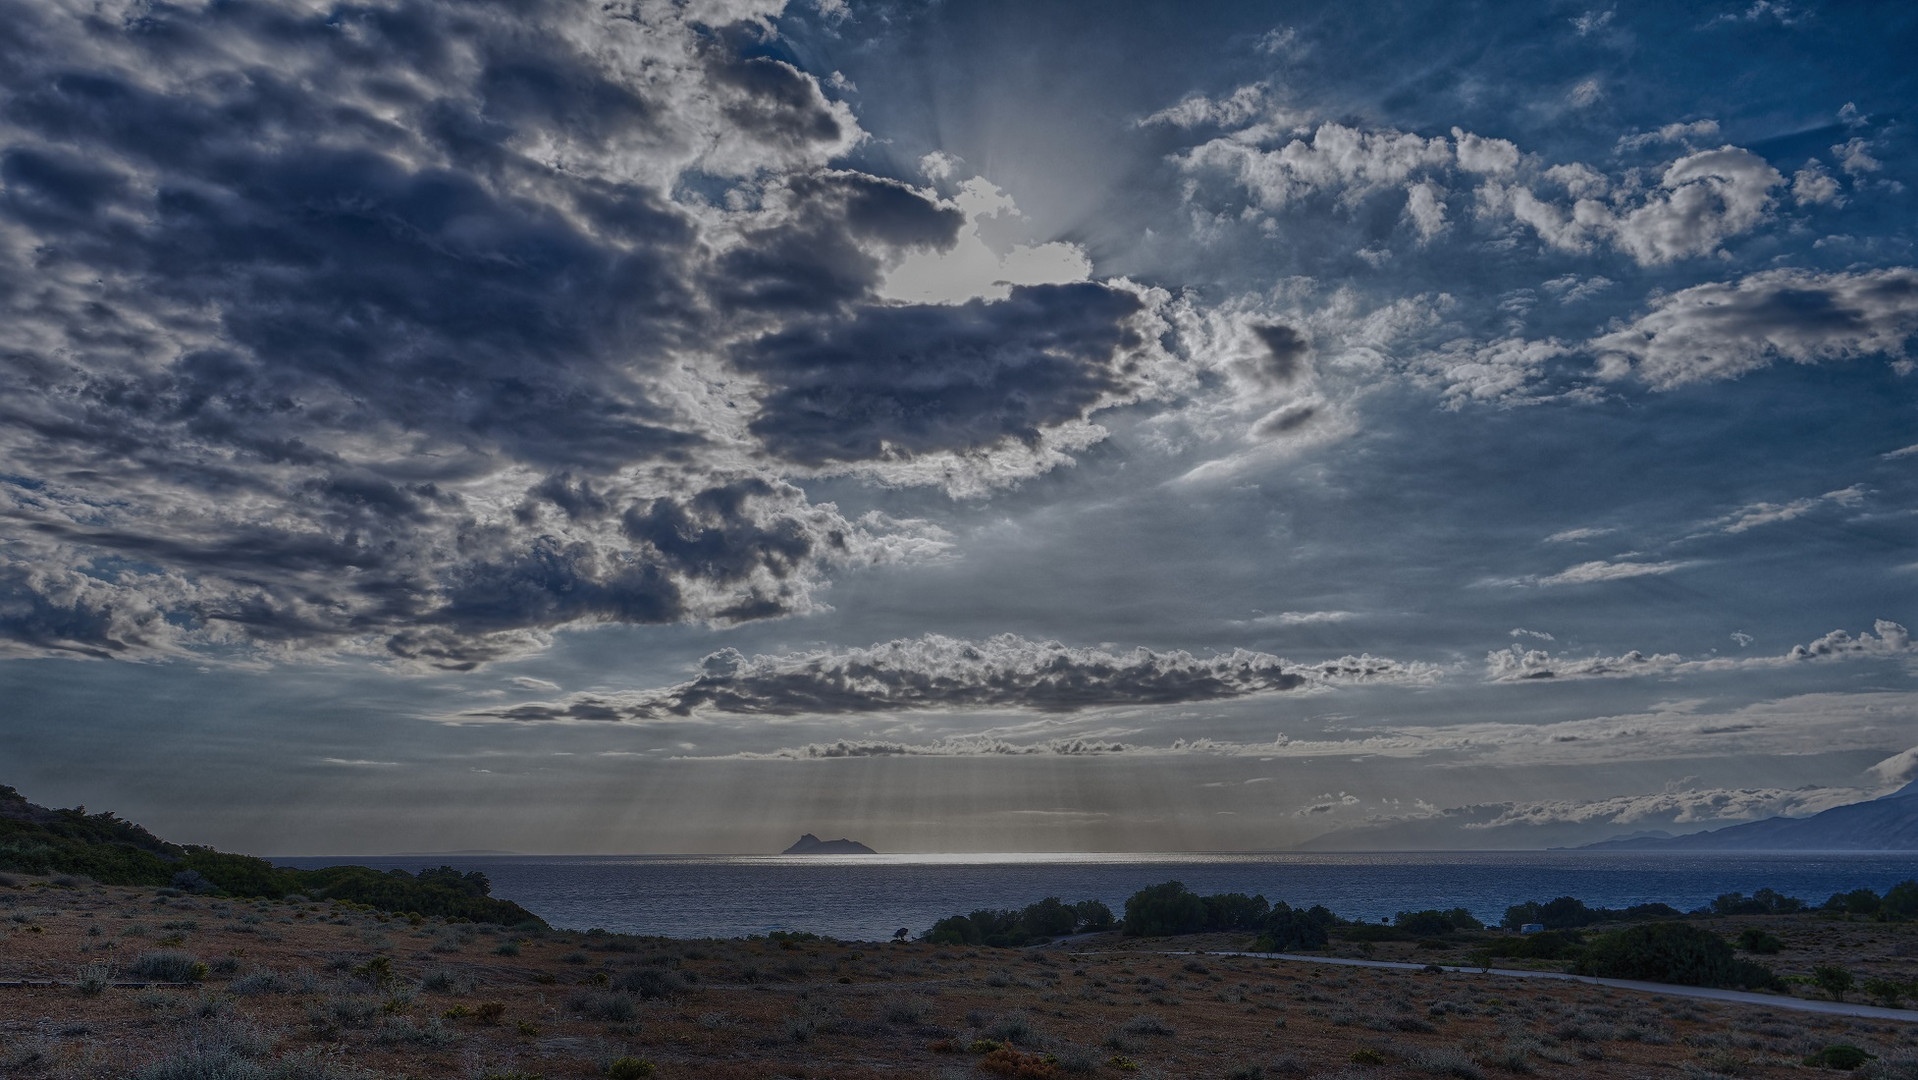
(937, 672)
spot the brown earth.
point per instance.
(298, 991)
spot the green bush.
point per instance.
(1672, 952)
(1835, 981)
(1753, 940)
(1839, 1056)
(630, 1068)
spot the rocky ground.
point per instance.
(307, 991)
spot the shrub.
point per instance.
(1366, 1056)
(169, 965)
(602, 1005)
(92, 980)
(1435, 923)
(1833, 980)
(630, 1068)
(652, 982)
(1674, 953)
(1840, 1056)
(1754, 940)
(1886, 992)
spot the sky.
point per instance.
(1039, 426)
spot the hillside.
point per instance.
(38, 840)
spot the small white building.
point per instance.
(1532, 928)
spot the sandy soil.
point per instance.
(300, 991)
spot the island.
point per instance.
(812, 845)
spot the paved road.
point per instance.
(1740, 997)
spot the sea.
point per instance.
(870, 897)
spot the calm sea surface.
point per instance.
(867, 897)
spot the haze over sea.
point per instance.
(868, 897)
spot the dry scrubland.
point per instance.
(308, 991)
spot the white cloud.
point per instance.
(1751, 517)
(1702, 200)
(1684, 134)
(1518, 664)
(1570, 289)
(1586, 573)
(1573, 535)
(1506, 371)
(1675, 807)
(1250, 102)
(527, 682)
(1813, 186)
(1724, 329)
(1900, 768)
(1425, 206)
(1854, 156)
(1539, 634)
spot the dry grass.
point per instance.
(300, 992)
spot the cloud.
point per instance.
(1725, 329)
(402, 332)
(978, 746)
(527, 682)
(1812, 185)
(1586, 573)
(1900, 768)
(1673, 807)
(937, 672)
(1518, 664)
(1243, 105)
(1757, 514)
(1346, 161)
(1684, 134)
(1574, 535)
(1702, 200)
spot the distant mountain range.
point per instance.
(812, 845)
(1887, 823)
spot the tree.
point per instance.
(1050, 917)
(1234, 911)
(1163, 910)
(1093, 915)
(1290, 929)
(1901, 901)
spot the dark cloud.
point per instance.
(936, 672)
(1286, 351)
(906, 380)
(378, 328)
